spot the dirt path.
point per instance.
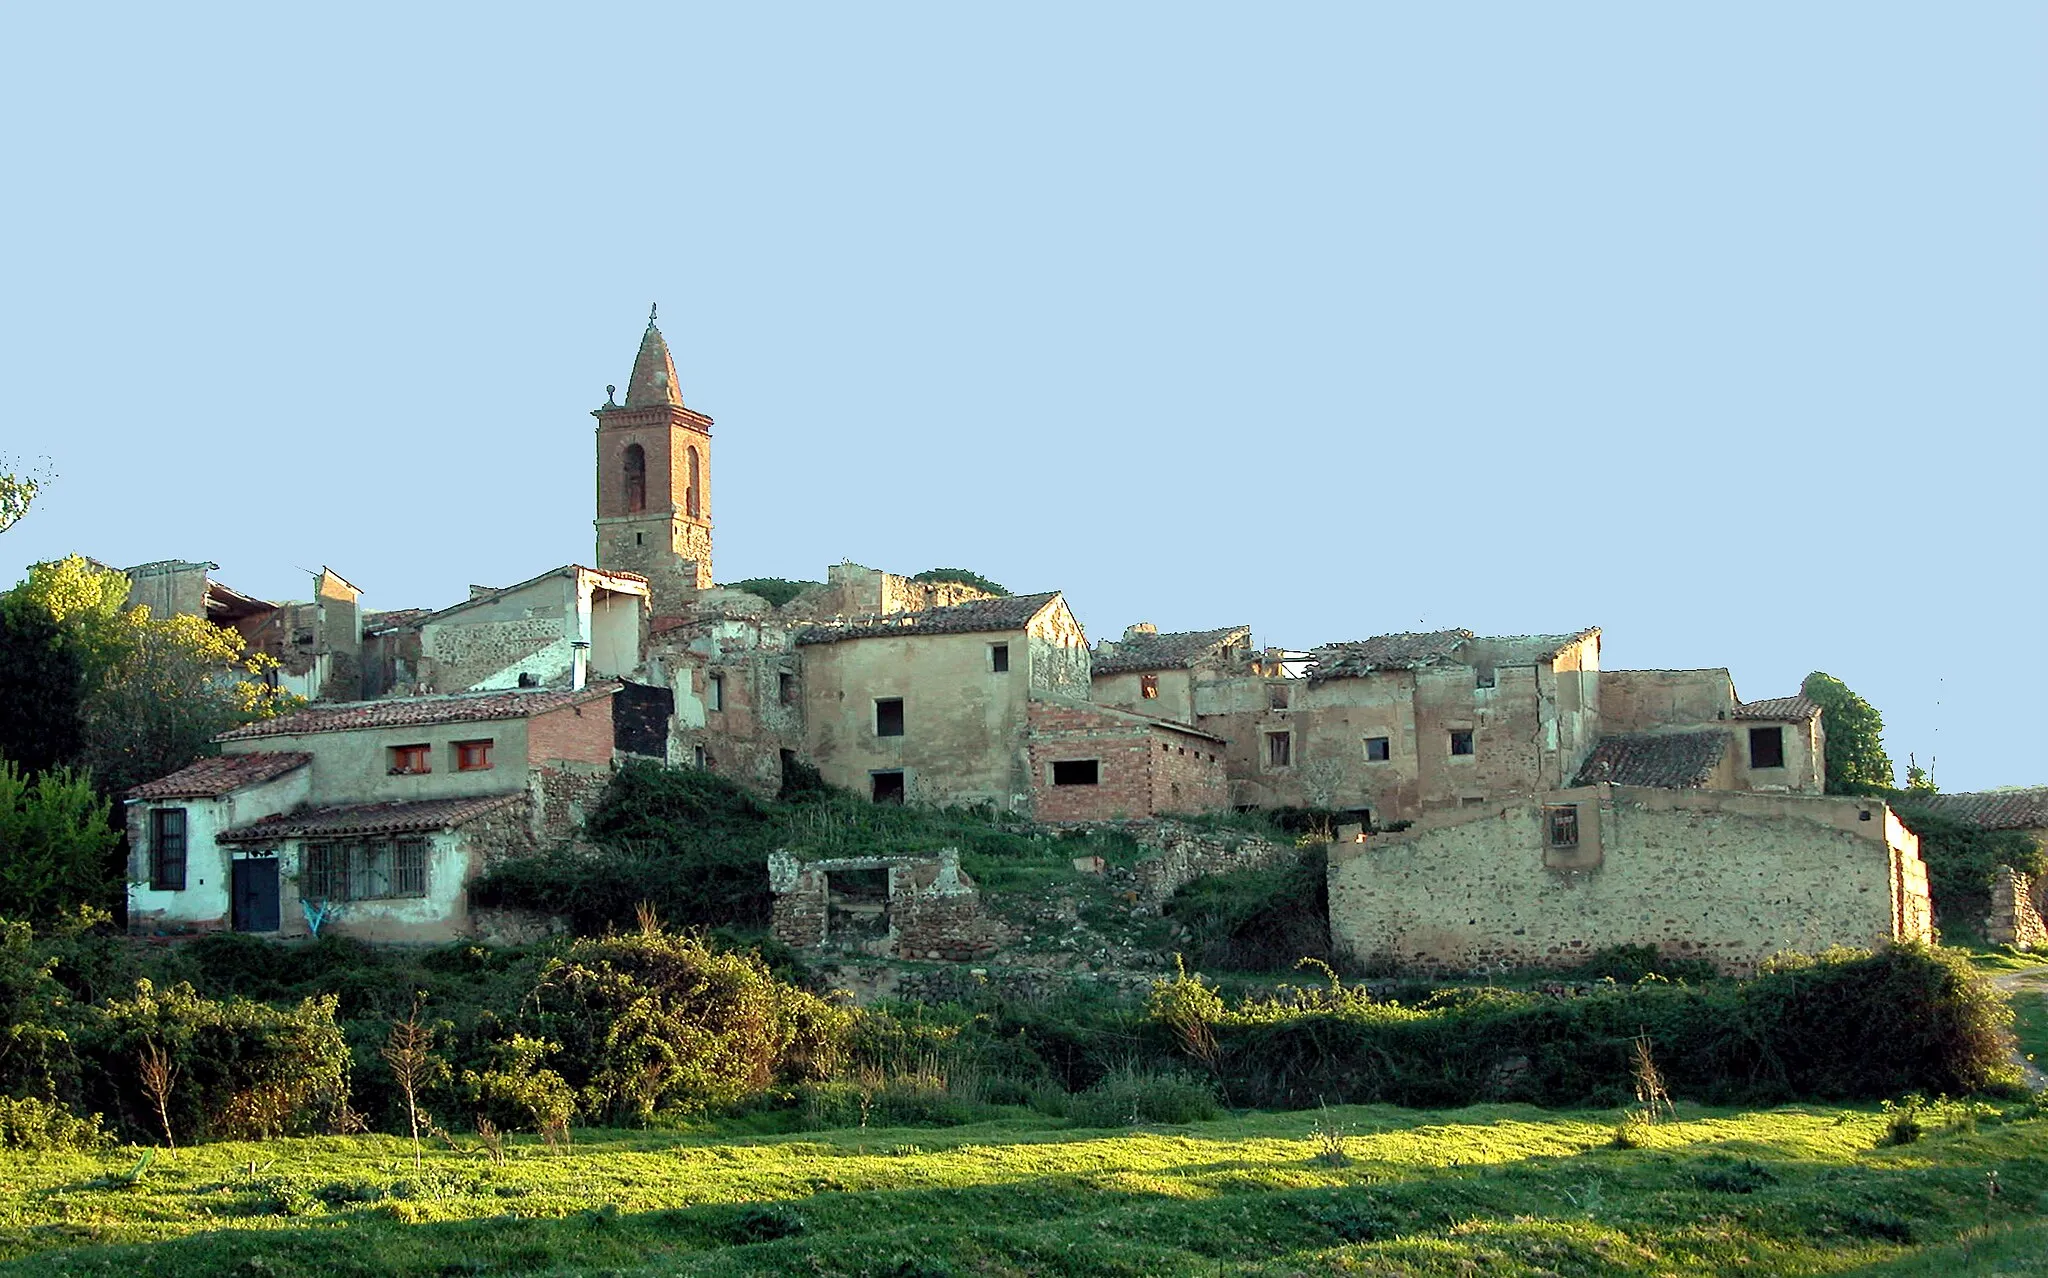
(2030, 982)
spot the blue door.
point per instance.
(255, 894)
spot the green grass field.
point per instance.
(1365, 1189)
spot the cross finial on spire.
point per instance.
(651, 308)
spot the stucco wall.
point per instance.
(1726, 876)
(354, 766)
(963, 734)
(1126, 691)
(203, 904)
(1645, 700)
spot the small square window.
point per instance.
(1461, 741)
(714, 692)
(889, 717)
(1279, 749)
(1148, 687)
(1276, 696)
(888, 787)
(1377, 750)
(1483, 677)
(411, 760)
(473, 756)
(785, 688)
(1766, 747)
(1077, 772)
(999, 658)
(1562, 825)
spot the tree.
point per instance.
(54, 842)
(41, 680)
(961, 576)
(1856, 760)
(17, 491)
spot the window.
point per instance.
(1766, 747)
(1279, 749)
(1148, 687)
(889, 717)
(376, 870)
(1483, 677)
(1562, 825)
(472, 756)
(693, 499)
(888, 787)
(1077, 772)
(167, 850)
(411, 760)
(1276, 696)
(714, 692)
(999, 658)
(785, 688)
(1377, 750)
(1461, 741)
(699, 758)
(636, 479)
(639, 538)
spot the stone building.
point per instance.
(317, 643)
(2019, 902)
(369, 818)
(554, 630)
(1156, 674)
(1549, 878)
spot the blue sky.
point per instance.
(1721, 327)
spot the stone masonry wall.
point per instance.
(934, 909)
(1182, 854)
(2015, 919)
(1729, 878)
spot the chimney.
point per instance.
(579, 663)
(1141, 628)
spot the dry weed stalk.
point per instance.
(158, 1075)
(1649, 1080)
(407, 1050)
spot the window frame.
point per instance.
(1561, 825)
(714, 690)
(160, 840)
(1148, 687)
(883, 721)
(1279, 752)
(1777, 739)
(1094, 774)
(1386, 754)
(345, 869)
(999, 658)
(1466, 737)
(401, 757)
(463, 752)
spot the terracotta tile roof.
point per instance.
(399, 712)
(223, 773)
(1666, 760)
(357, 819)
(1405, 651)
(1011, 612)
(2024, 809)
(1797, 706)
(1164, 652)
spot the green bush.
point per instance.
(32, 1124)
(1129, 1095)
(662, 1024)
(55, 839)
(519, 1091)
(1258, 920)
(244, 1070)
(776, 590)
(1961, 859)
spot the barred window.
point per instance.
(1563, 821)
(377, 870)
(167, 850)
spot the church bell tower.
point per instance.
(654, 481)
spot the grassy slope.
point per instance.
(1506, 1190)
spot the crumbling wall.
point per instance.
(1726, 876)
(1181, 854)
(2015, 917)
(933, 908)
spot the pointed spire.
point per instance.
(654, 372)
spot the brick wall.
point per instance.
(573, 734)
(1143, 768)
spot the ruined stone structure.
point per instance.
(2018, 903)
(1551, 878)
(910, 907)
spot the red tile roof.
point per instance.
(359, 819)
(1171, 651)
(223, 773)
(1666, 760)
(2025, 809)
(1796, 706)
(413, 712)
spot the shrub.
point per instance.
(960, 576)
(520, 1091)
(1258, 920)
(1128, 1096)
(1961, 859)
(29, 1123)
(54, 842)
(1628, 964)
(242, 1069)
(660, 1023)
(776, 590)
